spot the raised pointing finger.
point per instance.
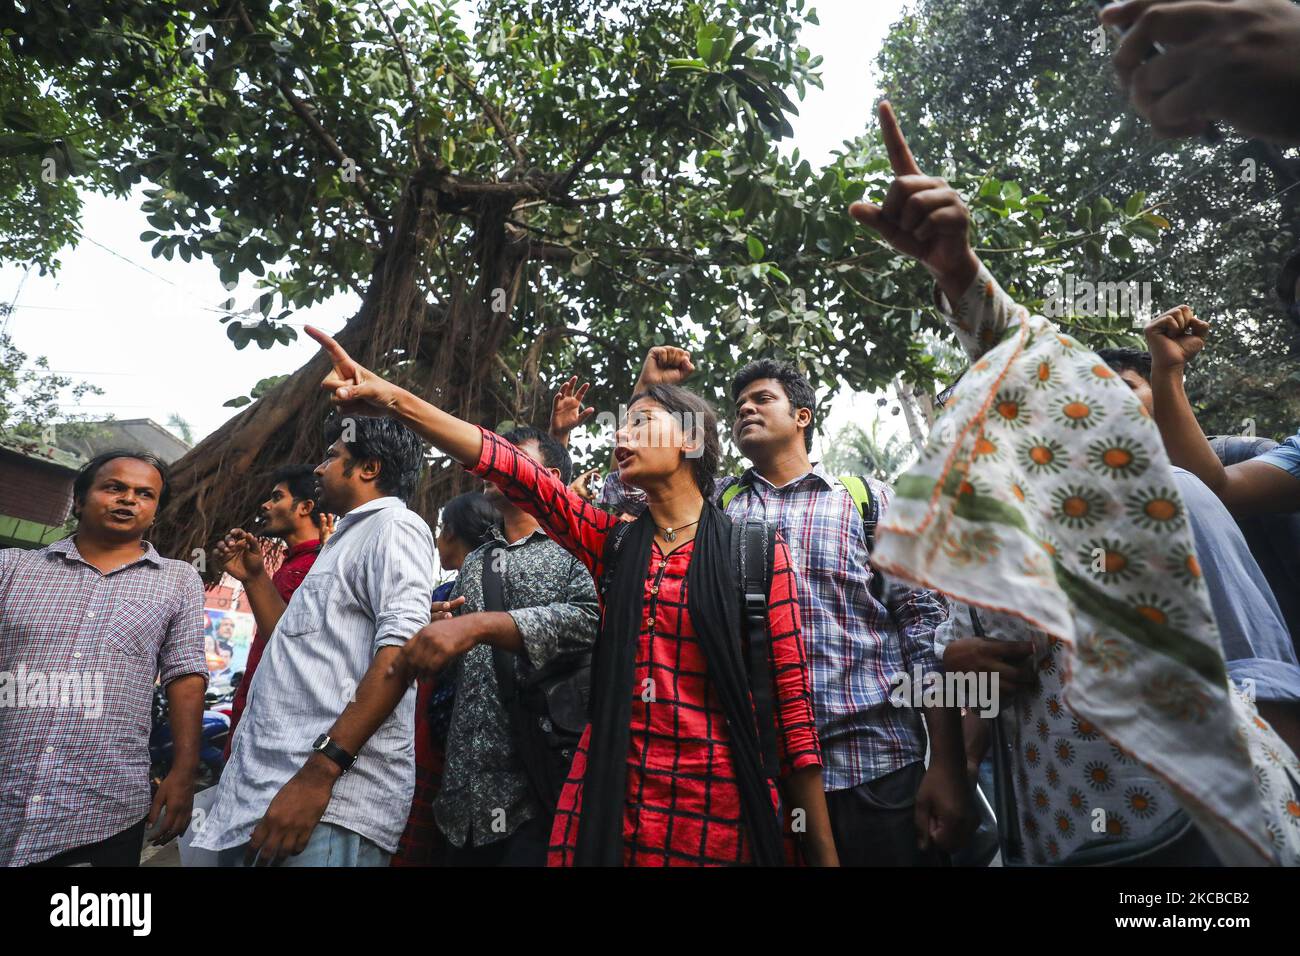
(900, 154)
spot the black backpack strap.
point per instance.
(755, 548)
(870, 515)
(870, 518)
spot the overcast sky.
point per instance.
(146, 330)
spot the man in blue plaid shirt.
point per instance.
(886, 807)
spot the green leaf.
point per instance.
(1144, 230)
(239, 402)
(710, 43)
(755, 247)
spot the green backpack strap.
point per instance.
(869, 508)
(860, 492)
(730, 494)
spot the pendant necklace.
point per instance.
(671, 533)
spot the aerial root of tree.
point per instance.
(446, 354)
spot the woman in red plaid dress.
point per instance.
(670, 770)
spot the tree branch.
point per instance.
(569, 203)
(494, 117)
(421, 153)
(331, 145)
(554, 252)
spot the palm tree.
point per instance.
(182, 428)
(858, 451)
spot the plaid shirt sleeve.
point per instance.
(579, 527)
(181, 651)
(916, 611)
(614, 494)
(796, 727)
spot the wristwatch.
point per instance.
(324, 745)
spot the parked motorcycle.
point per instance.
(212, 741)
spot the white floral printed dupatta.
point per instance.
(1045, 493)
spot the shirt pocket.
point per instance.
(306, 611)
(135, 627)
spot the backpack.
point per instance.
(548, 709)
(753, 550)
(868, 507)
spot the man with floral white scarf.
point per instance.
(1042, 462)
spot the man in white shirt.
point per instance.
(323, 771)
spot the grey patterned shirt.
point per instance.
(550, 595)
(370, 588)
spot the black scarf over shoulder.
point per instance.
(713, 602)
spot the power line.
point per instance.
(14, 302)
(111, 252)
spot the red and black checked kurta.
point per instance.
(683, 804)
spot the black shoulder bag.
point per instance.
(547, 709)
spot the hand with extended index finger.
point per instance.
(922, 216)
(353, 389)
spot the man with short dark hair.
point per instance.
(290, 514)
(324, 770)
(489, 810)
(88, 623)
(886, 807)
(798, 392)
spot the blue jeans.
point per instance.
(329, 845)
